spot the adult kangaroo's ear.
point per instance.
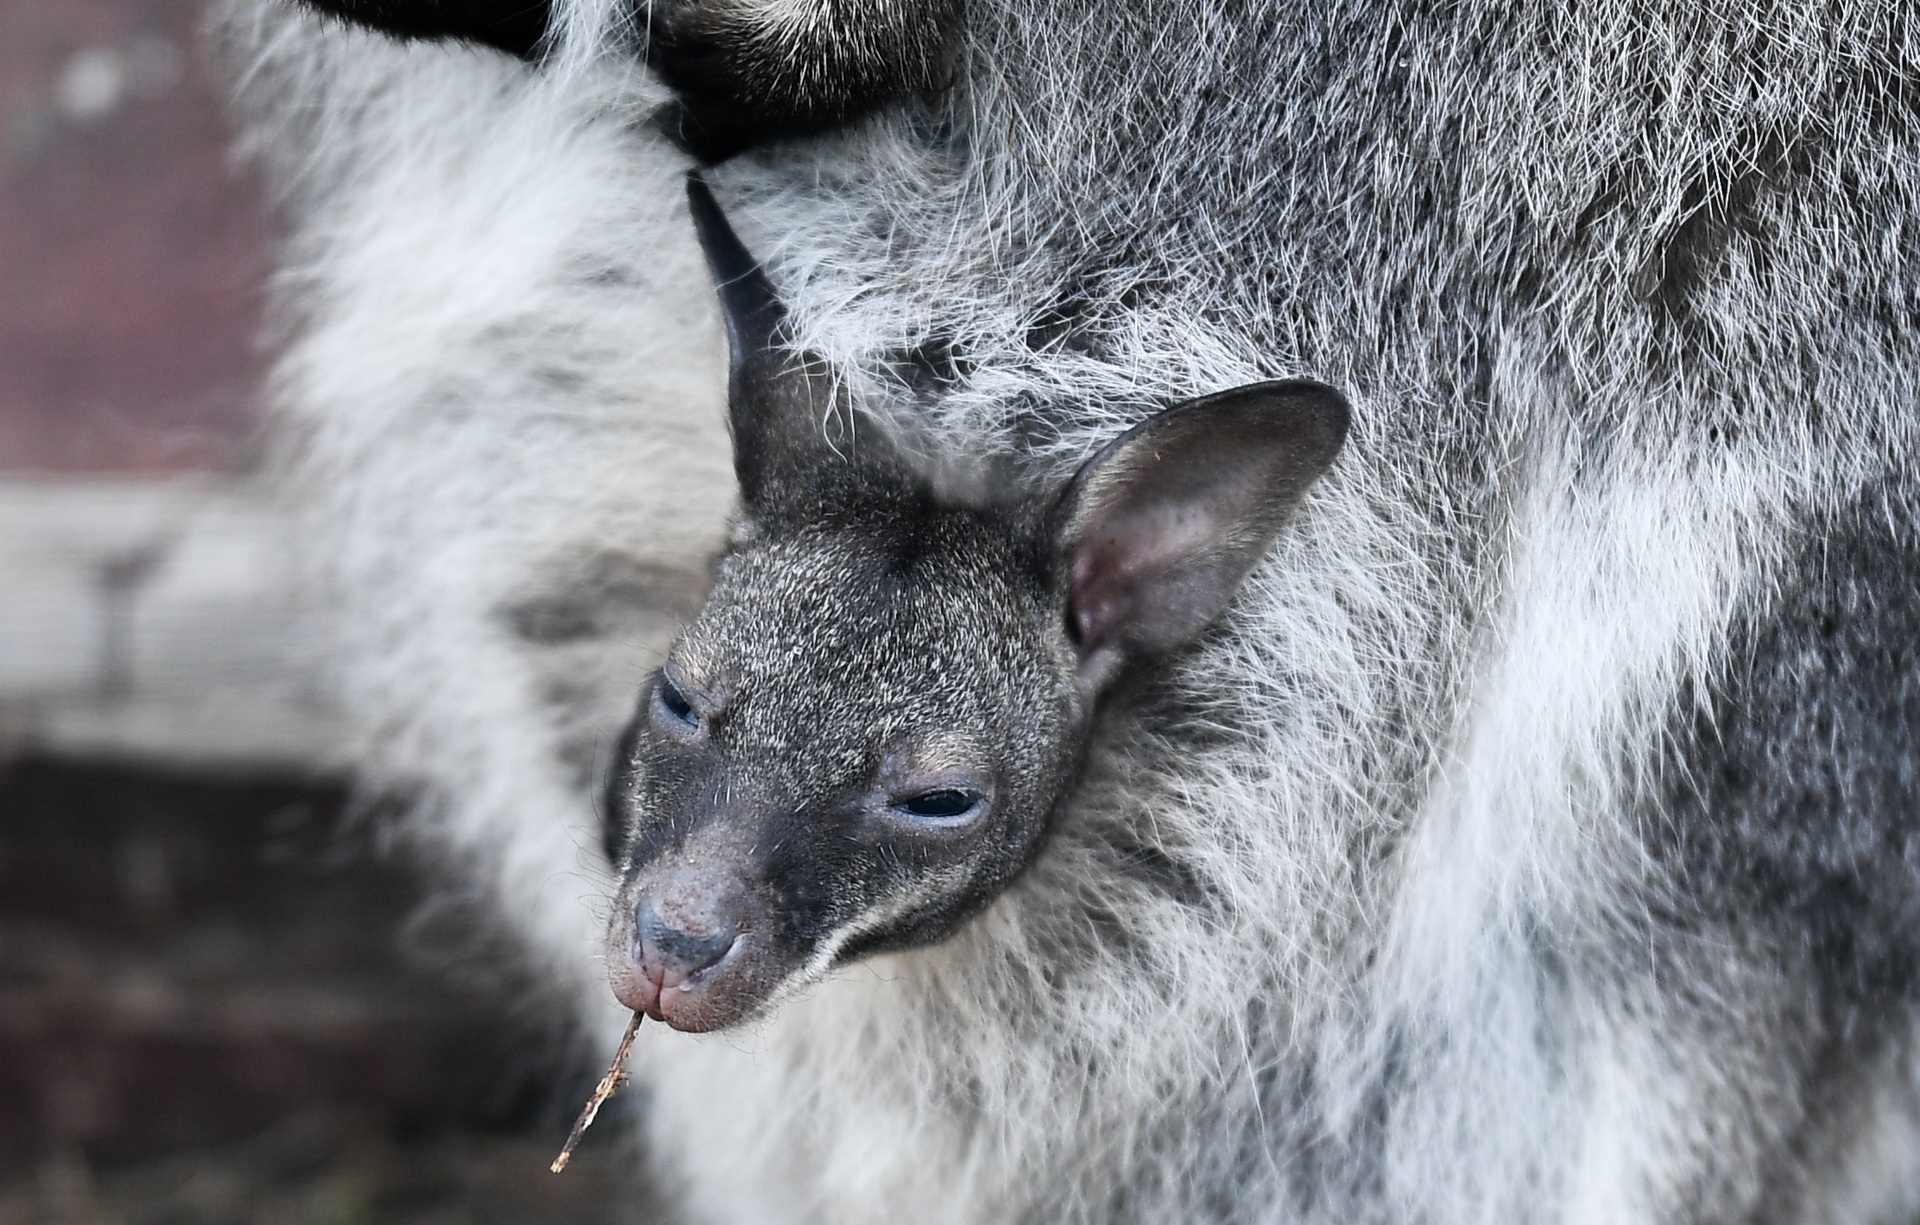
(517, 27)
(1156, 532)
(793, 433)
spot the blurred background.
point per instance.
(218, 1000)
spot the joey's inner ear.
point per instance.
(514, 26)
(793, 430)
(1157, 531)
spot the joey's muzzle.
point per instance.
(687, 947)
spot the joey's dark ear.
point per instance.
(1156, 532)
(792, 431)
(514, 26)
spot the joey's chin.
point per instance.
(726, 993)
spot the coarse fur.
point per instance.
(1532, 841)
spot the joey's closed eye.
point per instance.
(941, 805)
(674, 705)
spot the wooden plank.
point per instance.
(159, 619)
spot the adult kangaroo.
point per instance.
(1533, 836)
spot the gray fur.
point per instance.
(1409, 894)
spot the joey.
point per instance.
(866, 732)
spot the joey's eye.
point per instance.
(669, 698)
(946, 804)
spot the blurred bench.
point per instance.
(160, 620)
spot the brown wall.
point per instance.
(131, 252)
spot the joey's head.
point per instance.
(865, 734)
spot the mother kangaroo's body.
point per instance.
(1534, 840)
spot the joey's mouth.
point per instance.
(695, 999)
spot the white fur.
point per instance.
(507, 366)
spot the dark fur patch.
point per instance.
(517, 27)
(743, 81)
(1788, 826)
(600, 595)
(1795, 799)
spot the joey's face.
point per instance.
(866, 733)
(855, 746)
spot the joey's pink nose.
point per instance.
(673, 952)
(677, 934)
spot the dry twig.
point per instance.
(608, 1084)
